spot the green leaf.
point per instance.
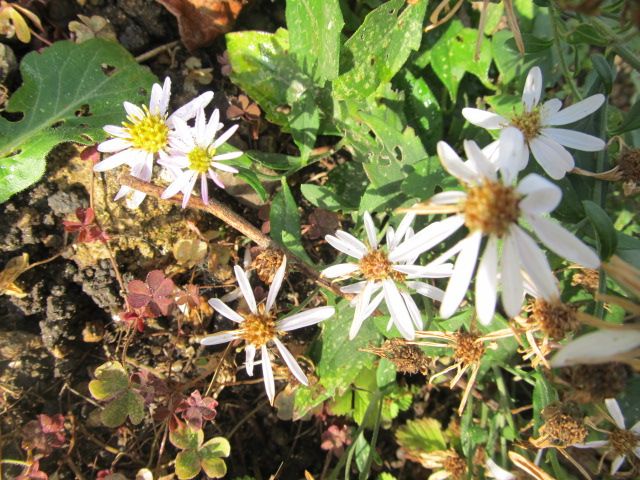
(65, 97)
(379, 48)
(543, 395)
(214, 467)
(111, 379)
(215, 447)
(512, 65)
(304, 119)
(115, 412)
(253, 181)
(385, 373)
(631, 120)
(187, 464)
(185, 437)
(422, 435)
(605, 231)
(606, 71)
(135, 406)
(453, 55)
(321, 196)
(314, 29)
(422, 108)
(285, 222)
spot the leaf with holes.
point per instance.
(70, 91)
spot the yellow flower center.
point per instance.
(200, 159)
(258, 329)
(528, 123)
(149, 133)
(491, 208)
(376, 266)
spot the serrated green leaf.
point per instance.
(111, 379)
(185, 437)
(453, 55)
(59, 84)
(379, 48)
(187, 464)
(605, 231)
(285, 222)
(314, 29)
(422, 435)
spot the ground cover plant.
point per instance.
(319, 239)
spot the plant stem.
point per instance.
(555, 14)
(616, 43)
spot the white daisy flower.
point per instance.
(145, 135)
(535, 130)
(493, 209)
(382, 268)
(621, 442)
(193, 151)
(260, 327)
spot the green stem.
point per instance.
(616, 43)
(568, 76)
(374, 440)
(15, 462)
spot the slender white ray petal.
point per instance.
(532, 89)
(344, 247)
(250, 356)
(361, 307)
(492, 151)
(340, 270)
(188, 188)
(563, 242)
(225, 136)
(453, 164)
(548, 109)
(413, 310)
(114, 161)
(351, 240)
(535, 263)
(122, 192)
(426, 238)
(228, 156)
(498, 472)
(267, 373)
(154, 101)
(484, 119)
(136, 199)
(398, 309)
(220, 337)
(212, 125)
(354, 287)
(291, 362)
(482, 164)
(462, 273)
(215, 178)
(487, 282)
(200, 127)
(552, 157)
(305, 318)
(276, 284)
(245, 286)
(114, 145)
(573, 139)
(403, 228)
(163, 104)
(133, 110)
(204, 188)
(426, 290)
(373, 304)
(636, 428)
(596, 347)
(617, 463)
(636, 450)
(450, 197)
(426, 271)
(615, 412)
(116, 131)
(448, 254)
(177, 185)
(540, 195)
(592, 444)
(370, 228)
(576, 111)
(511, 152)
(222, 308)
(188, 111)
(390, 236)
(511, 279)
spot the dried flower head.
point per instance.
(406, 357)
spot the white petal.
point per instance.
(305, 318)
(267, 373)
(484, 167)
(340, 270)
(398, 309)
(484, 119)
(540, 195)
(597, 347)
(136, 199)
(563, 242)
(492, 151)
(426, 290)
(372, 234)
(115, 161)
(354, 287)
(225, 136)
(450, 197)
(548, 109)
(166, 95)
(187, 189)
(250, 356)
(154, 102)
(353, 241)
(276, 284)
(177, 185)
(245, 286)
(200, 127)
(362, 307)
(413, 310)
(426, 238)
(204, 189)
(404, 226)
(453, 164)
(487, 282)
(617, 463)
(532, 89)
(636, 428)
(114, 145)
(227, 156)
(222, 308)
(497, 472)
(212, 125)
(220, 337)
(291, 363)
(552, 157)
(535, 264)
(462, 273)
(133, 110)
(116, 131)
(577, 111)
(344, 247)
(426, 271)
(592, 444)
(511, 278)
(188, 111)
(573, 139)
(512, 156)
(615, 412)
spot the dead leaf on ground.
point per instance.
(12, 270)
(201, 21)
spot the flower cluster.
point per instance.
(186, 152)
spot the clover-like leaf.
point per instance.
(214, 467)
(111, 380)
(130, 404)
(187, 464)
(185, 437)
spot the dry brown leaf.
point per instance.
(189, 253)
(12, 270)
(201, 21)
